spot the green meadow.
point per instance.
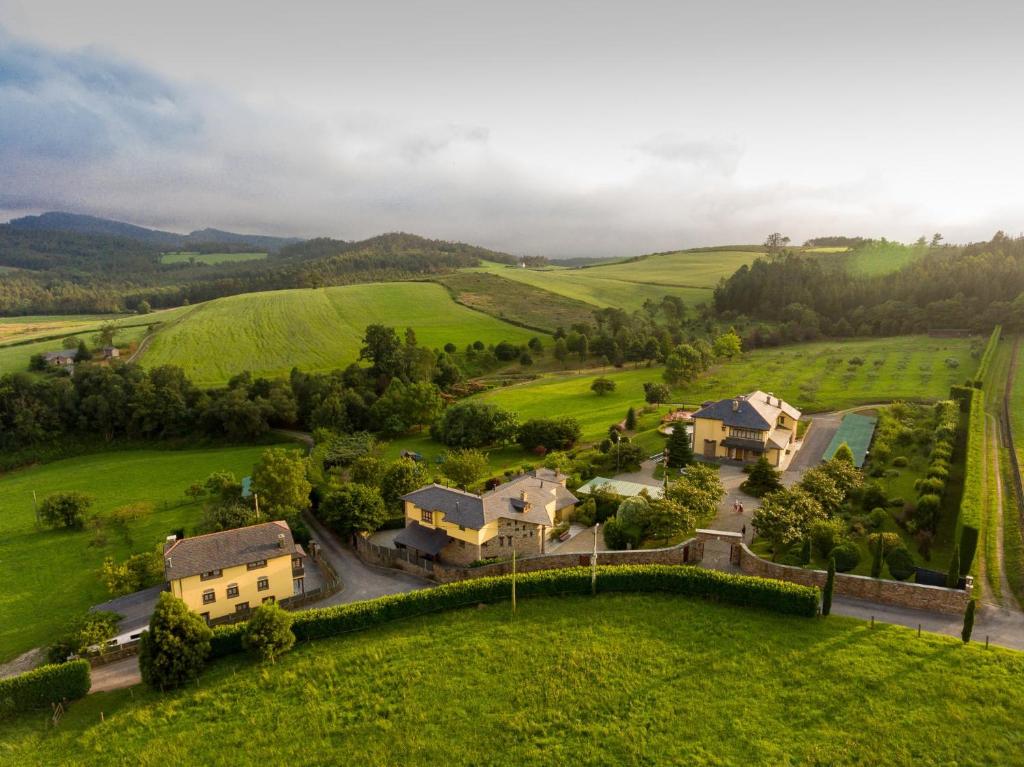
(314, 329)
(882, 257)
(616, 679)
(50, 576)
(210, 258)
(814, 377)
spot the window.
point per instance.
(747, 434)
(462, 544)
(209, 596)
(427, 516)
(268, 600)
(262, 584)
(232, 590)
(210, 575)
(205, 616)
(256, 565)
(462, 528)
(241, 607)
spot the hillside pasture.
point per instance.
(184, 257)
(518, 302)
(50, 576)
(877, 257)
(623, 679)
(321, 329)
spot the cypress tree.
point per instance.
(968, 622)
(680, 452)
(876, 561)
(631, 420)
(830, 582)
(953, 575)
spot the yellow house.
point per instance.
(746, 427)
(221, 575)
(450, 525)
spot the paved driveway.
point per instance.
(816, 441)
(359, 581)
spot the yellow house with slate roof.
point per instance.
(746, 427)
(450, 525)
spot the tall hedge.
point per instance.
(987, 356)
(44, 686)
(746, 591)
(968, 523)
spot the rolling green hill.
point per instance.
(612, 680)
(209, 258)
(314, 329)
(627, 284)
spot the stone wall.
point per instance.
(897, 593)
(526, 538)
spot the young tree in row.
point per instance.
(602, 386)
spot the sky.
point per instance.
(542, 128)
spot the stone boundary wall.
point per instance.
(887, 592)
(444, 573)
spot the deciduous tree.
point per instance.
(174, 649)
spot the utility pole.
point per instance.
(35, 507)
(593, 564)
(513, 581)
(256, 498)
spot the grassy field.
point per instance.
(813, 377)
(882, 258)
(619, 679)
(50, 576)
(29, 327)
(592, 287)
(515, 301)
(210, 258)
(270, 333)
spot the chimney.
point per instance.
(735, 405)
(280, 540)
(171, 538)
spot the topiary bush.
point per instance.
(901, 563)
(900, 461)
(846, 556)
(877, 517)
(41, 687)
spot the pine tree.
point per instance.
(953, 575)
(968, 621)
(876, 561)
(843, 453)
(763, 479)
(830, 583)
(631, 419)
(680, 452)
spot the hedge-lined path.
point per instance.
(1008, 600)
(116, 676)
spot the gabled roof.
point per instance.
(228, 548)
(458, 506)
(429, 540)
(757, 411)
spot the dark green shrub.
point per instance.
(896, 502)
(873, 496)
(830, 584)
(846, 556)
(776, 596)
(268, 633)
(931, 485)
(900, 460)
(877, 517)
(901, 563)
(938, 469)
(43, 686)
(968, 621)
(175, 647)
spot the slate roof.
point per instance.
(65, 353)
(429, 540)
(228, 548)
(756, 411)
(540, 487)
(746, 444)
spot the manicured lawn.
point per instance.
(50, 576)
(620, 679)
(211, 258)
(316, 329)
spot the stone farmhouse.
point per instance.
(746, 427)
(226, 574)
(453, 526)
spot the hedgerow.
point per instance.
(44, 686)
(745, 591)
(968, 523)
(987, 356)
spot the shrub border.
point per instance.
(41, 687)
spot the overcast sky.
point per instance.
(555, 128)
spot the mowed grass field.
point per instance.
(616, 679)
(50, 576)
(210, 258)
(814, 377)
(315, 329)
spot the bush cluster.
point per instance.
(745, 591)
(44, 686)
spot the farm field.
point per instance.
(882, 258)
(814, 377)
(314, 329)
(637, 682)
(210, 258)
(590, 286)
(28, 327)
(16, 358)
(50, 575)
(517, 302)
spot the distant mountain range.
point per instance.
(56, 221)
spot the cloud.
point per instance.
(719, 156)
